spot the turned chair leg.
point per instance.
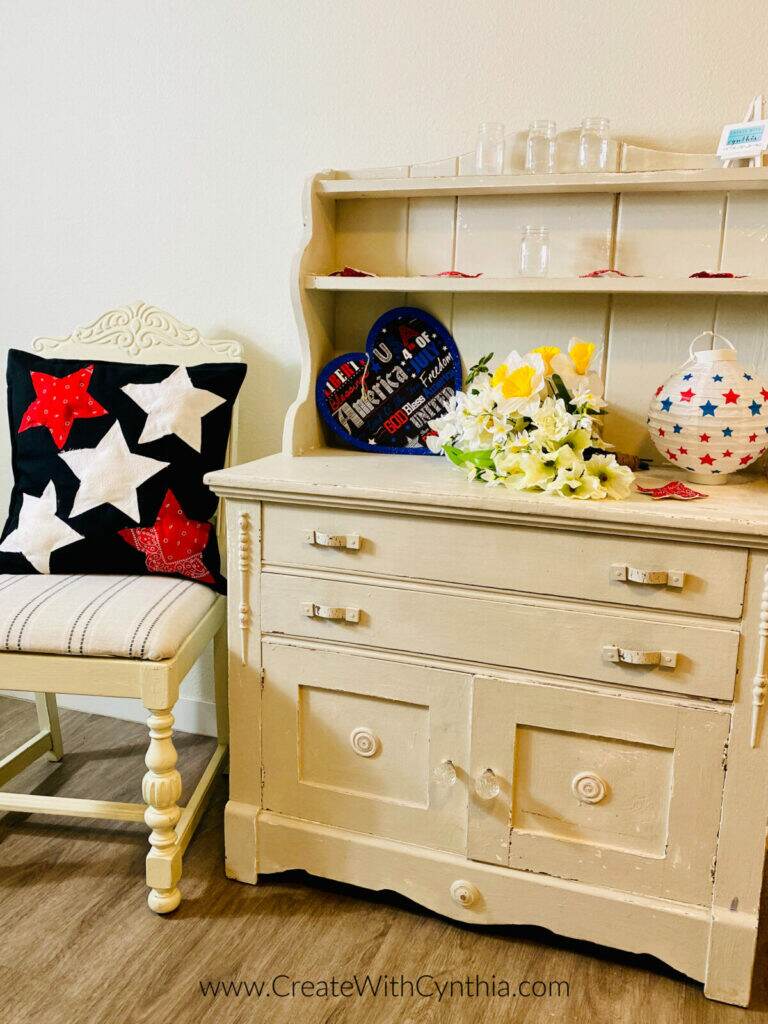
(161, 789)
(48, 718)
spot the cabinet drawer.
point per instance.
(553, 562)
(361, 744)
(602, 789)
(513, 632)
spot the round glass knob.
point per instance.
(487, 785)
(445, 773)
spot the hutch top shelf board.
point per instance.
(527, 285)
(731, 179)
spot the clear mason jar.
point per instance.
(540, 147)
(534, 252)
(593, 144)
(489, 151)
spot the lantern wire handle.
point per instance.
(704, 334)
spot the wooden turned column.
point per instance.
(161, 789)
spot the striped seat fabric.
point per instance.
(143, 617)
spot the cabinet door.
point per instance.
(605, 789)
(361, 743)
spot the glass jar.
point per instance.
(534, 252)
(540, 147)
(489, 151)
(593, 144)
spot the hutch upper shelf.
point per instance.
(528, 285)
(729, 179)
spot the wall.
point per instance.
(156, 150)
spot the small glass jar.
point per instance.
(593, 144)
(540, 147)
(534, 252)
(489, 151)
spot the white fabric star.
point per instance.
(110, 474)
(173, 406)
(39, 530)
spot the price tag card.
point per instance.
(737, 141)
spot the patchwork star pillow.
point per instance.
(108, 463)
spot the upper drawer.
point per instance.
(516, 558)
(514, 632)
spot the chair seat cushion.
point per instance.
(142, 617)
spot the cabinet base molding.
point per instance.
(676, 933)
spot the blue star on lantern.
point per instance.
(666, 404)
(717, 378)
(747, 376)
(755, 407)
(708, 409)
(728, 432)
(688, 376)
(678, 429)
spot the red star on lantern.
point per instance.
(704, 437)
(752, 438)
(662, 432)
(763, 392)
(727, 453)
(686, 396)
(683, 451)
(660, 388)
(745, 459)
(59, 402)
(730, 396)
(706, 460)
(174, 544)
(671, 455)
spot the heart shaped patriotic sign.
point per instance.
(382, 400)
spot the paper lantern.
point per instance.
(710, 417)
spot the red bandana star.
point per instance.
(730, 396)
(59, 402)
(174, 544)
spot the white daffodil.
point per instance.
(532, 473)
(520, 380)
(614, 479)
(585, 386)
(553, 422)
(446, 429)
(575, 482)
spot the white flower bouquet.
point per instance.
(533, 424)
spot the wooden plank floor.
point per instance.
(77, 943)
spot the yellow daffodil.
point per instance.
(573, 369)
(520, 381)
(547, 353)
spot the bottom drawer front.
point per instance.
(601, 789)
(368, 745)
(509, 632)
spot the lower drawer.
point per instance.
(362, 744)
(505, 631)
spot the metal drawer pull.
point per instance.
(632, 657)
(349, 541)
(654, 577)
(324, 611)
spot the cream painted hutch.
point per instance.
(419, 695)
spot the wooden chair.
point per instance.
(148, 335)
